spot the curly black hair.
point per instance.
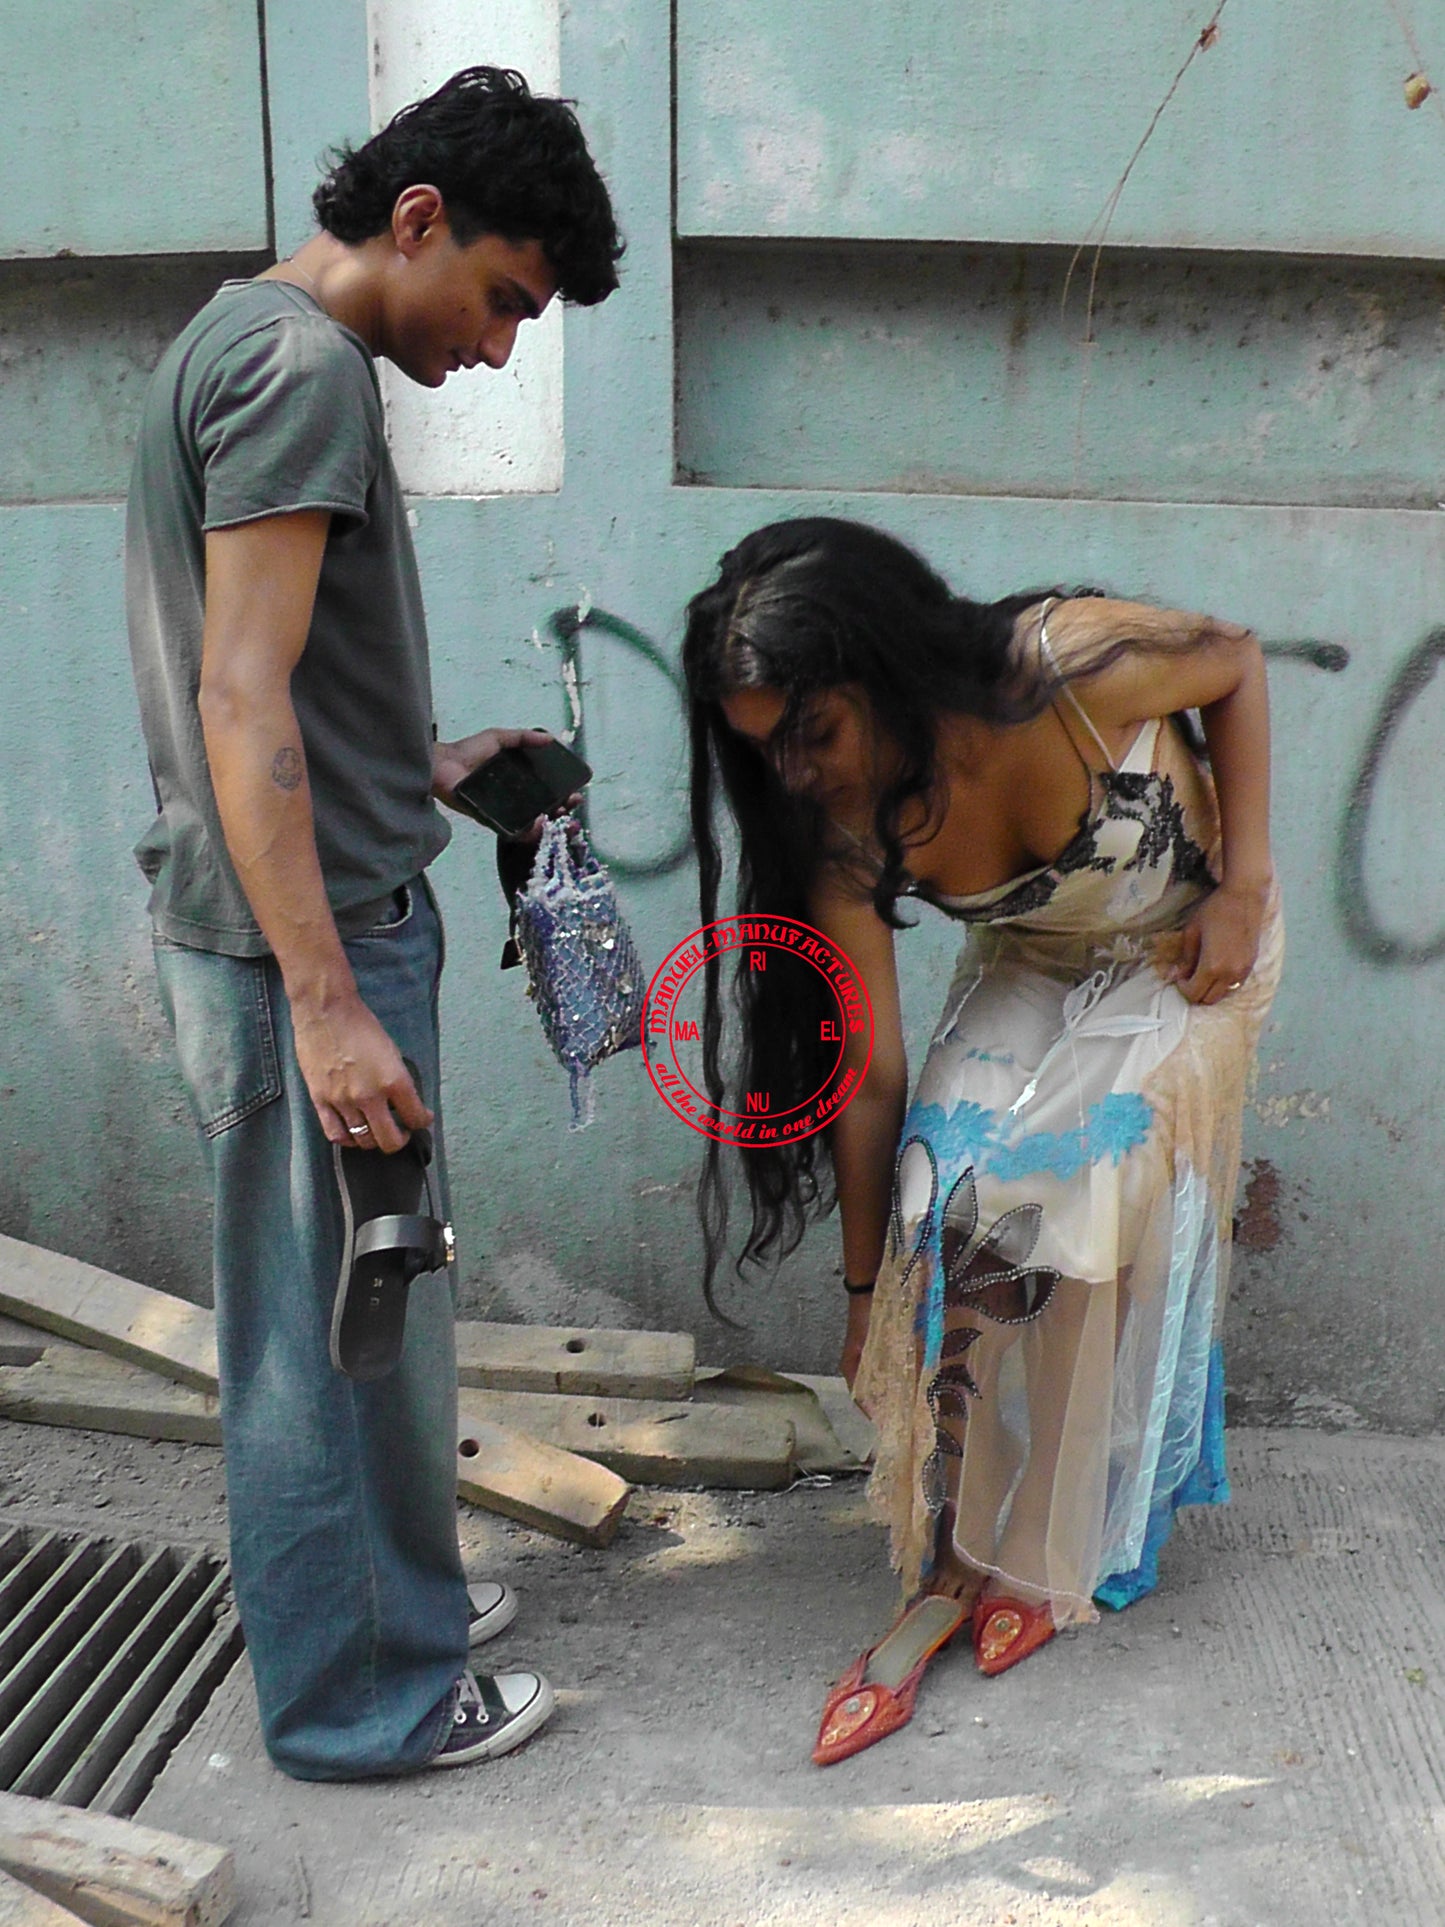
(505, 160)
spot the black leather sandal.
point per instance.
(389, 1240)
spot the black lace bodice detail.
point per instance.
(1129, 796)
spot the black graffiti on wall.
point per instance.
(568, 625)
(1413, 676)
(1331, 656)
(1364, 931)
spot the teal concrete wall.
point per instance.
(132, 127)
(988, 122)
(1248, 378)
(78, 340)
(1301, 533)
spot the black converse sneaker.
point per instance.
(493, 1608)
(492, 1715)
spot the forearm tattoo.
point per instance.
(287, 768)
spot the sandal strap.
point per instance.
(423, 1240)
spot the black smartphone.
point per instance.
(517, 786)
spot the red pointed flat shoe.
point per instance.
(878, 1692)
(1006, 1631)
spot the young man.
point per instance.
(281, 660)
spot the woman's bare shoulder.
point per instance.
(1128, 661)
(1081, 627)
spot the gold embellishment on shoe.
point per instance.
(854, 1712)
(1000, 1631)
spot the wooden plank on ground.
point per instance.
(852, 1429)
(650, 1441)
(523, 1479)
(833, 1435)
(115, 1873)
(109, 1313)
(69, 1385)
(552, 1358)
(167, 1335)
(537, 1484)
(22, 1906)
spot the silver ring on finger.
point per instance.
(359, 1130)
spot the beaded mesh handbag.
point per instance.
(584, 971)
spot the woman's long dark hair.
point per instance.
(802, 607)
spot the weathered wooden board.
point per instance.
(852, 1428)
(20, 1344)
(22, 1906)
(551, 1358)
(167, 1335)
(833, 1436)
(534, 1482)
(650, 1441)
(69, 1385)
(109, 1313)
(537, 1484)
(114, 1873)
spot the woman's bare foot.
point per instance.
(953, 1578)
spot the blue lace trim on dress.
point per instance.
(972, 1134)
(1206, 1484)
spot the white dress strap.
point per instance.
(1142, 750)
(1074, 703)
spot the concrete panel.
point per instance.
(477, 437)
(78, 341)
(1015, 122)
(1209, 379)
(316, 96)
(1345, 1109)
(1338, 1274)
(133, 127)
(98, 1155)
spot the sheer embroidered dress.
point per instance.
(1043, 1356)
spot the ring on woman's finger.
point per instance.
(359, 1130)
(1235, 985)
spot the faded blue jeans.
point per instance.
(342, 1497)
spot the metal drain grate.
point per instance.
(108, 1652)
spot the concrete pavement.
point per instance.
(1260, 1744)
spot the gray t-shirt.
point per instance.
(265, 405)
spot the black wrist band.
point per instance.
(859, 1291)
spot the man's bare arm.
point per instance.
(260, 588)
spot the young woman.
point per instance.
(1035, 1250)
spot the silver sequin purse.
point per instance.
(583, 969)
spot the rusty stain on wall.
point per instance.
(1257, 1226)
